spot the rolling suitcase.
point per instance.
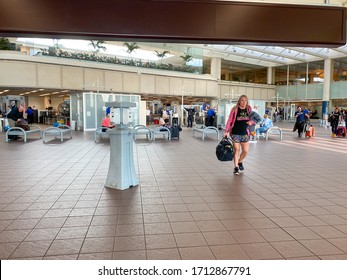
(175, 132)
(311, 132)
(341, 131)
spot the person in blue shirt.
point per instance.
(210, 115)
(264, 126)
(30, 115)
(300, 119)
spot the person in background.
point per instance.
(254, 116)
(106, 123)
(335, 118)
(30, 115)
(264, 125)
(300, 119)
(148, 114)
(210, 114)
(191, 112)
(237, 128)
(14, 114)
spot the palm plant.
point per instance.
(97, 46)
(131, 47)
(161, 55)
(186, 58)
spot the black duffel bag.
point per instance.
(225, 150)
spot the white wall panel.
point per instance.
(114, 81)
(200, 88)
(48, 76)
(94, 80)
(147, 83)
(131, 82)
(17, 74)
(212, 89)
(162, 85)
(176, 86)
(72, 77)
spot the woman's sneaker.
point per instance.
(241, 166)
(236, 171)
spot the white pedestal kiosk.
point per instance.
(121, 173)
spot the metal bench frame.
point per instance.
(34, 129)
(99, 133)
(58, 131)
(206, 130)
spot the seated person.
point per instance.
(106, 122)
(264, 125)
(161, 122)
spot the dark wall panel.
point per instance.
(176, 21)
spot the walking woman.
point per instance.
(237, 128)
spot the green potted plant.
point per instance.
(5, 44)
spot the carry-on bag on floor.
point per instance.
(341, 131)
(175, 132)
(311, 132)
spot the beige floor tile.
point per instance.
(157, 228)
(129, 243)
(302, 233)
(276, 234)
(197, 253)
(204, 215)
(219, 238)
(229, 252)
(101, 231)
(334, 257)
(13, 235)
(236, 224)
(328, 232)
(96, 256)
(291, 249)
(31, 249)
(180, 217)
(321, 247)
(72, 232)
(163, 254)
(65, 247)
(42, 234)
(6, 249)
(211, 226)
(181, 227)
(261, 251)
(340, 243)
(247, 236)
(190, 239)
(159, 241)
(130, 255)
(129, 230)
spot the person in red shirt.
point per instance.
(106, 122)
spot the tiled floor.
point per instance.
(289, 203)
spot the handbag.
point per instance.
(225, 150)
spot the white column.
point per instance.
(327, 79)
(216, 66)
(269, 75)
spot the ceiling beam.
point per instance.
(193, 21)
